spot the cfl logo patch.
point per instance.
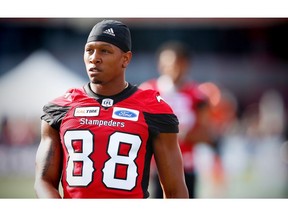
(107, 102)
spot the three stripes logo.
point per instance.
(109, 31)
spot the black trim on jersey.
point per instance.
(146, 172)
(162, 123)
(127, 92)
(157, 123)
(53, 114)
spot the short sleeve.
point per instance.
(53, 114)
(162, 123)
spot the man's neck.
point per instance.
(108, 90)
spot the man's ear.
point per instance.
(127, 58)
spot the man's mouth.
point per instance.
(95, 69)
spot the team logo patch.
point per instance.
(159, 98)
(87, 111)
(107, 102)
(124, 113)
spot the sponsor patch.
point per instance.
(87, 111)
(124, 113)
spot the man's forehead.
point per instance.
(99, 43)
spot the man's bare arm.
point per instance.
(48, 163)
(170, 166)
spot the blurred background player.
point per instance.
(189, 104)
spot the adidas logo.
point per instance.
(109, 31)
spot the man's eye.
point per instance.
(89, 50)
(105, 51)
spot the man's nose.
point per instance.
(95, 58)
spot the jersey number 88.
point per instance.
(110, 165)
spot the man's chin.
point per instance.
(96, 81)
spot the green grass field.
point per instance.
(17, 187)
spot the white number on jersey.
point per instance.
(110, 165)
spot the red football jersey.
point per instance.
(107, 141)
